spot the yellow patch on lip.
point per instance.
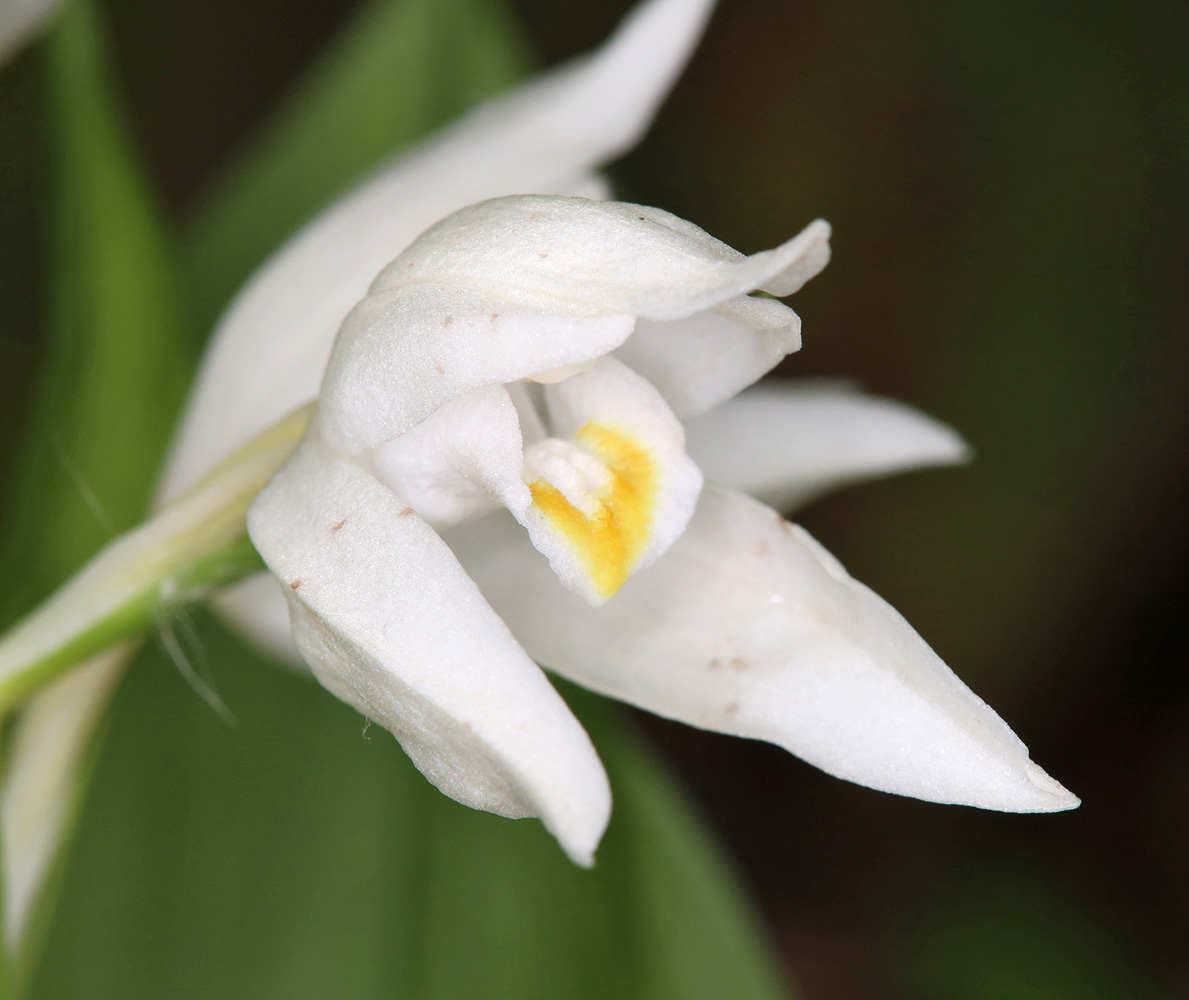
(609, 542)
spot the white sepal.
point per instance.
(269, 351)
(787, 442)
(391, 624)
(749, 627)
(553, 253)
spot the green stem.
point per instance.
(194, 545)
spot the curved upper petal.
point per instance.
(269, 350)
(554, 252)
(402, 354)
(747, 626)
(787, 442)
(526, 284)
(390, 623)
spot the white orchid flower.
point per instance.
(535, 353)
(500, 430)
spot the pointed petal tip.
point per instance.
(941, 445)
(583, 857)
(796, 261)
(1052, 796)
(579, 829)
(1021, 787)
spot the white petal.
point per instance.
(41, 786)
(613, 488)
(20, 20)
(464, 459)
(699, 362)
(811, 256)
(269, 351)
(788, 442)
(402, 355)
(391, 624)
(550, 253)
(747, 626)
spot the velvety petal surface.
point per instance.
(268, 354)
(787, 442)
(747, 626)
(391, 624)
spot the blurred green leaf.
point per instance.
(289, 856)
(117, 361)
(999, 931)
(297, 854)
(117, 357)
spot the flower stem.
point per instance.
(194, 545)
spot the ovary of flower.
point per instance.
(500, 362)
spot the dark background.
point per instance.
(1007, 183)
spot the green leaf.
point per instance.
(117, 359)
(1003, 929)
(298, 854)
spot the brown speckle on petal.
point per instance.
(294, 584)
